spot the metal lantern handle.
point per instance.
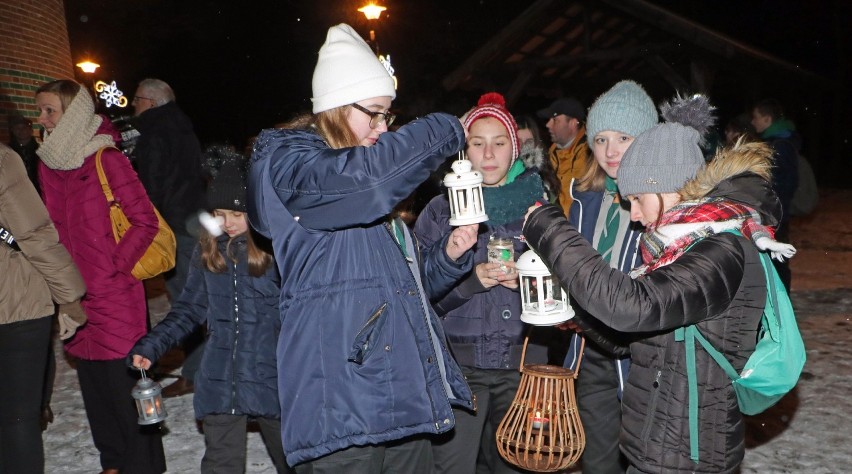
(579, 358)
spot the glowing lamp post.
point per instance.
(465, 193)
(372, 11)
(149, 402)
(88, 67)
(543, 302)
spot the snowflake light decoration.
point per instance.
(111, 94)
(386, 62)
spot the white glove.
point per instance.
(67, 326)
(776, 249)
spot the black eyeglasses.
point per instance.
(137, 97)
(377, 118)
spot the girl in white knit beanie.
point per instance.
(364, 371)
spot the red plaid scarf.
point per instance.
(687, 222)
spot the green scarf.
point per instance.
(781, 127)
(509, 202)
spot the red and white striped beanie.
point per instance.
(492, 104)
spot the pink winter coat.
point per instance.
(115, 301)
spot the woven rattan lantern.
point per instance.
(543, 301)
(465, 193)
(542, 431)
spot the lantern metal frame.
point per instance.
(551, 305)
(147, 394)
(464, 189)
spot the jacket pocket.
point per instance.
(367, 337)
(652, 406)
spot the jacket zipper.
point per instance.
(425, 315)
(236, 342)
(652, 406)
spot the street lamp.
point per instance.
(88, 66)
(372, 11)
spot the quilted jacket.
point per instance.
(115, 300)
(237, 375)
(718, 285)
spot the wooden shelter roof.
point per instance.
(556, 46)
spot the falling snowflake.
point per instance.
(111, 94)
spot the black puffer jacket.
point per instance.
(718, 284)
(168, 160)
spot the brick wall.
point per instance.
(34, 49)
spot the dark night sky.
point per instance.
(238, 67)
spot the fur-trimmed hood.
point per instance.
(743, 174)
(532, 155)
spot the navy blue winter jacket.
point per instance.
(584, 216)
(362, 357)
(483, 325)
(237, 375)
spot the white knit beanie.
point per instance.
(348, 71)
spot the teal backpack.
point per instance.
(770, 372)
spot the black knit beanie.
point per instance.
(228, 170)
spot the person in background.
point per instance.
(364, 372)
(569, 153)
(168, 159)
(769, 121)
(737, 127)
(616, 118)
(694, 273)
(233, 286)
(22, 142)
(481, 314)
(115, 300)
(533, 155)
(35, 272)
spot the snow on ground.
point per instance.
(807, 432)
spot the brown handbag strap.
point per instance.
(102, 176)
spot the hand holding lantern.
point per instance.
(149, 402)
(465, 193)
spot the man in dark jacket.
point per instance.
(168, 160)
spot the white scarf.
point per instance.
(74, 137)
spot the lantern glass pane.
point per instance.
(461, 201)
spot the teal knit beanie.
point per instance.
(625, 108)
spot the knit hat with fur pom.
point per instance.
(348, 71)
(625, 108)
(493, 104)
(666, 156)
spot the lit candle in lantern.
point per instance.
(539, 422)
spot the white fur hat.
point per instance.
(348, 71)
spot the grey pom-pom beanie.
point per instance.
(625, 108)
(660, 160)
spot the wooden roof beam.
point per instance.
(650, 49)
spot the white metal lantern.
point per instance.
(543, 301)
(465, 192)
(149, 402)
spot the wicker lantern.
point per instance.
(149, 402)
(543, 301)
(542, 431)
(465, 193)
